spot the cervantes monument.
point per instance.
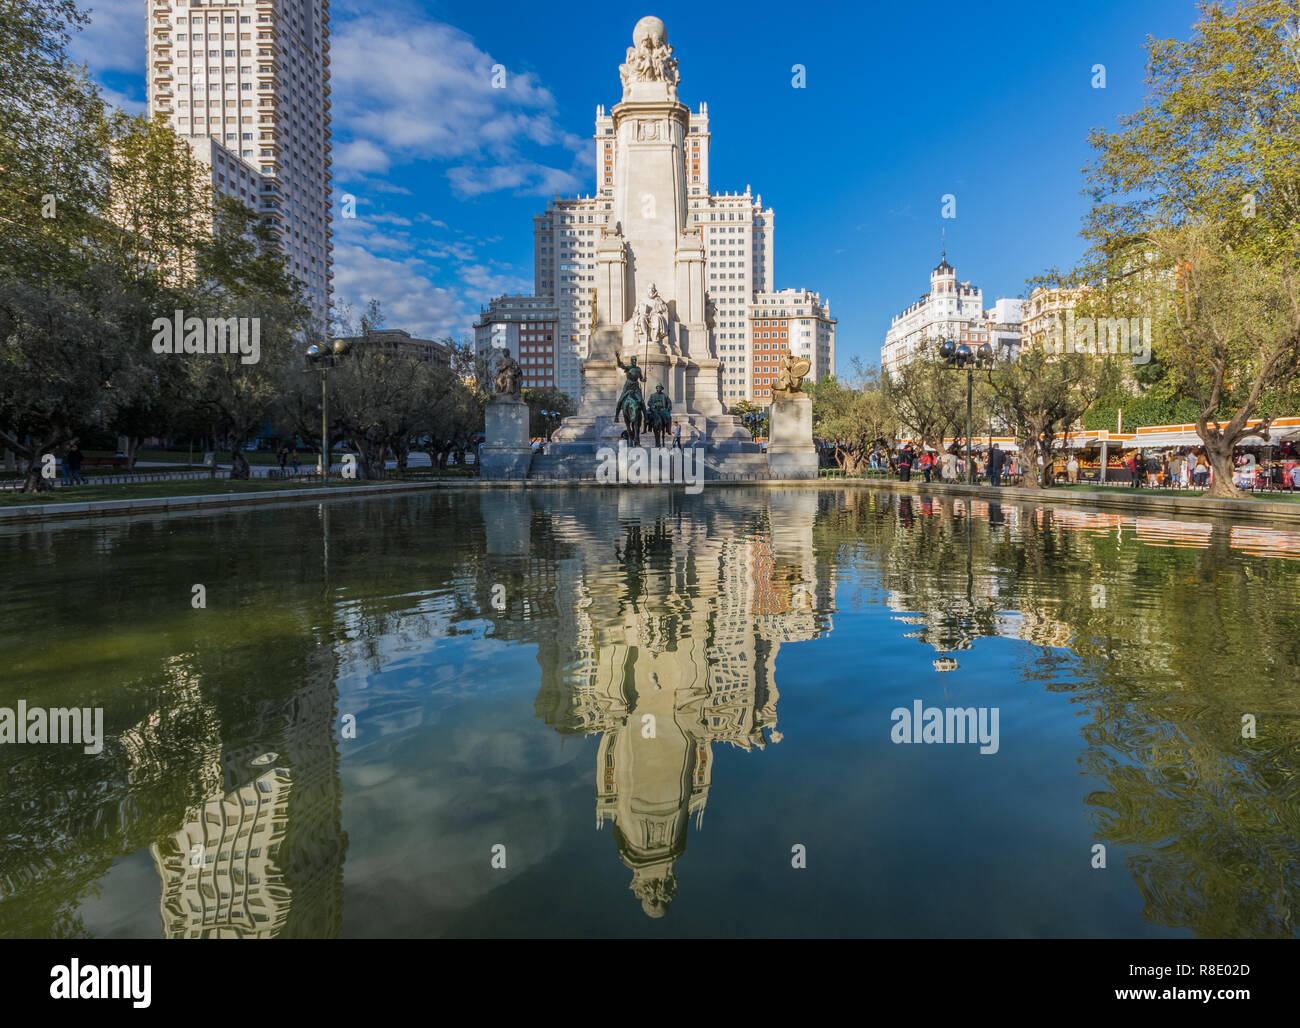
(651, 302)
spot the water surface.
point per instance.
(649, 708)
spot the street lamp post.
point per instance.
(961, 357)
(324, 358)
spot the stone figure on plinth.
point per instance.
(509, 377)
(652, 321)
(791, 453)
(650, 59)
(658, 316)
(792, 372)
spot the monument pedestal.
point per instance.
(790, 449)
(506, 449)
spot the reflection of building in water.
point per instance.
(675, 629)
(262, 855)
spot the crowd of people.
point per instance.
(998, 466)
(1185, 468)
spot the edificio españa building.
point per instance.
(247, 85)
(737, 238)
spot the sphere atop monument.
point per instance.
(652, 28)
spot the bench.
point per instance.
(103, 462)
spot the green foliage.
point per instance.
(853, 420)
(1150, 409)
(1196, 217)
(541, 399)
(1041, 396)
(930, 400)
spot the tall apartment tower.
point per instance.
(247, 84)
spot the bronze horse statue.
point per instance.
(632, 410)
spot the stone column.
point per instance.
(506, 450)
(790, 449)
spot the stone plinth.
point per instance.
(506, 449)
(790, 449)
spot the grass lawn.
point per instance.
(98, 493)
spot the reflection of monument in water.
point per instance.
(670, 647)
(261, 855)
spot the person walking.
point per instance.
(293, 459)
(905, 459)
(927, 465)
(72, 465)
(997, 459)
(1072, 470)
(677, 434)
(948, 467)
(1131, 466)
(283, 455)
(1202, 470)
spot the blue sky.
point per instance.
(903, 104)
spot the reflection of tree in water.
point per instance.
(1184, 636)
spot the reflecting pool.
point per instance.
(569, 712)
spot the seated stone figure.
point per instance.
(509, 376)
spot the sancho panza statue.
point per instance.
(509, 377)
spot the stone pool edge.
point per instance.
(1134, 503)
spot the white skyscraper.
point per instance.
(247, 84)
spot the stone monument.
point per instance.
(651, 300)
(506, 452)
(790, 450)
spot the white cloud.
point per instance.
(410, 300)
(407, 89)
(115, 99)
(525, 178)
(115, 39)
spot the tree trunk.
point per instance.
(1030, 476)
(132, 444)
(1219, 451)
(239, 470)
(33, 480)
